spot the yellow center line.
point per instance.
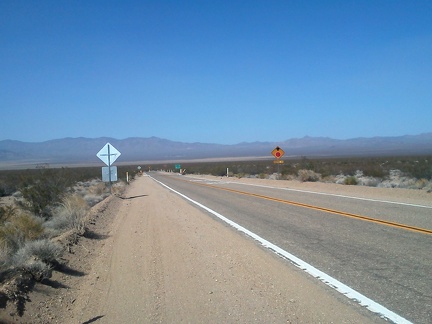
(323, 209)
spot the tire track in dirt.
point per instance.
(156, 279)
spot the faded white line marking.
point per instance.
(324, 194)
(311, 270)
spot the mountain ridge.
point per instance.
(81, 150)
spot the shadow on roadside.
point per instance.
(94, 236)
(94, 319)
(69, 271)
(53, 283)
(133, 197)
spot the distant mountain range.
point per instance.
(73, 151)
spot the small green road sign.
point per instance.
(177, 166)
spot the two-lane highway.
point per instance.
(380, 249)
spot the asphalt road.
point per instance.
(388, 264)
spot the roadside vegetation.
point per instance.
(36, 207)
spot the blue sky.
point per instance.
(215, 71)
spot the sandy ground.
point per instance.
(150, 257)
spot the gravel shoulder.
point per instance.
(150, 256)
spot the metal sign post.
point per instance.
(109, 166)
(278, 153)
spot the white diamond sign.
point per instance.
(108, 154)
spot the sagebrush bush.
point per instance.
(43, 250)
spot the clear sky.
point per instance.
(215, 71)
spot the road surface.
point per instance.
(166, 260)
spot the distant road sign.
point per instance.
(108, 154)
(177, 166)
(278, 152)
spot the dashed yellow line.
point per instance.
(323, 209)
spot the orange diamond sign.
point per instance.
(278, 152)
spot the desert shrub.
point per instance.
(307, 164)
(4, 259)
(419, 168)
(421, 183)
(21, 228)
(6, 213)
(43, 250)
(37, 258)
(308, 175)
(368, 181)
(38, 199)
(289, 169)
(6, 189)
(68, 215)
(398, 179)
(374, 171)
(9, 182)
(351, 181)
(43, 191)
(37, 269)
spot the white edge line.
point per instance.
(322, 193)
(311, 270)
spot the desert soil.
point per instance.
(151, 257)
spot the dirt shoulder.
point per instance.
(150, 256)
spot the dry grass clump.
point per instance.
(69, 215)
(19, 229)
